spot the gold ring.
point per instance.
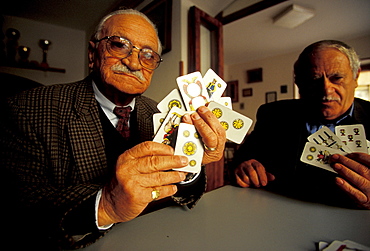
(155, 194)
(210, 148)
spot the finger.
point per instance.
(261, 173)
(148, 148)
(362, 158)
(354, 178)
(244, 181)
(162, 192)
(160, 178)
(209, 128)
(355, 166)
(149, 164)
(270, 176)
(353, 192)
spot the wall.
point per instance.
(67, 51)
(277, 71)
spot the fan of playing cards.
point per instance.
(195, 91)
(324, 143)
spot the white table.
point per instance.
(232, 218)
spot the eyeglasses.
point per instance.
(122, 48)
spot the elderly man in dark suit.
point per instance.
(326, 74)
(70, 173)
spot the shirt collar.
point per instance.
(313, 126)
(106, 104)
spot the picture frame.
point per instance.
(160, 13)
(271, 97)
(232, 90)
(247, 92)
(254, 75)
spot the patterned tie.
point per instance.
(123, 114)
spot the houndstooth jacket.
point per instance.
(53, 156)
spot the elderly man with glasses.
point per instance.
(79, 157)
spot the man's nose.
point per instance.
(328, 86)
(132, 61)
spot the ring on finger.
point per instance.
(155, 194)
(210, 148)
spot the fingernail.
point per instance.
(184, 160)
(335, 156)
(195, 116)
(186, 118)
(202, 109)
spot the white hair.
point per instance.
(100, 27)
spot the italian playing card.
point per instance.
(167, 132)
(318, 155)
(214, 84)
(193, 91)
(353, 136)
(189, 144)
(158, 119)
(326, 137)
(235, 124)
(171, 100)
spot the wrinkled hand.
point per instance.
(139, 171)
(355, 176)
(252, 173)
(211, 131)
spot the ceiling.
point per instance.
(247, 39)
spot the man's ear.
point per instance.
(91, 54)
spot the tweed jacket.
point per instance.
(53, 155)
(278, 139)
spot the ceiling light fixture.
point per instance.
(293, 16)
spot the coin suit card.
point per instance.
(235, 124)
(171, 100)
(190, 145)
(318, 155)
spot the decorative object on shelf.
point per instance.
(271, 97)
(254, 75)
(44, 44)
(11, 45)
(24, 53)
(248, 92)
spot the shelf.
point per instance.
(38, 68)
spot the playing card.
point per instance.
(167, 132)
(326, 137)
(226, 101)
(318, 155)
(189, 144)
(193, 91)
(158, 119)
(353, 136)
(214, 84)
(171, 100)
(235, 124)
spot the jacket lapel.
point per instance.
(86, 134)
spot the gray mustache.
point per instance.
(123, 68)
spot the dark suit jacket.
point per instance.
(277, 141)
(54, 160)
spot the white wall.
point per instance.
(67, 51)
(277, 71)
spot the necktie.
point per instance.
(123, 114)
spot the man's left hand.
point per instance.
(355, 176)
(212, 133)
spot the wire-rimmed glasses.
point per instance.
(122, 48)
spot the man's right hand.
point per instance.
(139, 171)
(252, 173)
